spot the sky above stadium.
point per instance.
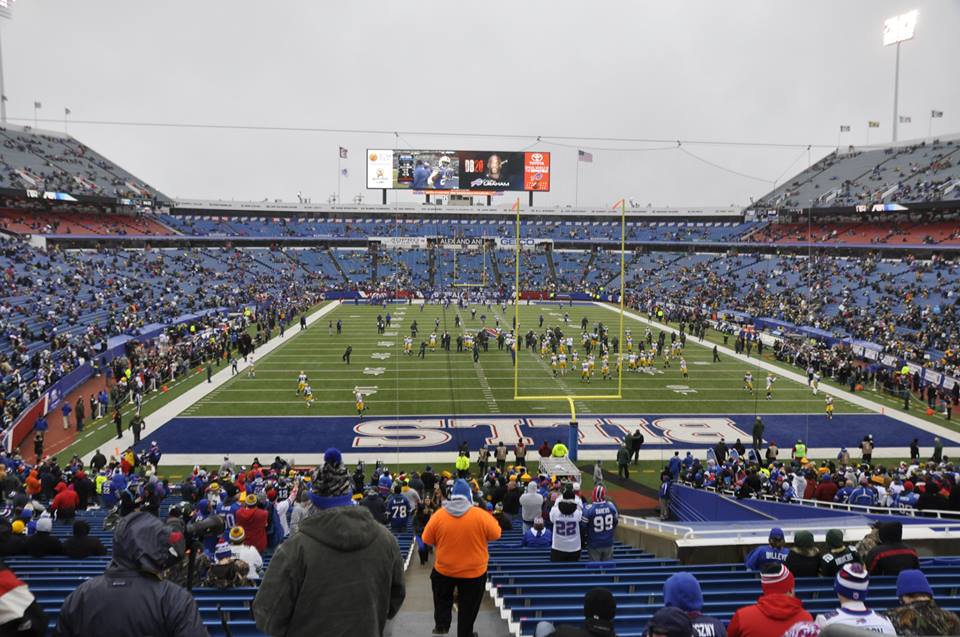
(746, 71)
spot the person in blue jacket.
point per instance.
(537, 536)
(398, 509)
(769, 554)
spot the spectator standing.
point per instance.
(459, 532)
(520, 453)
(636, 443)
(773, 552)
(682, 590)
(758, 428)
(340, 574)
(131, 598)
(531, 505)
(918, 614)
(565, 517)
(776, 610)
(600, 520)
(253, 521)
(851, 585)
(623, 462)
(803, 560)
(837, 556)
(891, 556)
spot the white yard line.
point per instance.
(910, 419)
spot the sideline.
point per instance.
(896, 414)
(189, 398)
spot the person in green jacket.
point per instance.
(339, 575)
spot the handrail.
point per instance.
(938, 514)
(656, 525)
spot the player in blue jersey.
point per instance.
(768, 554)
(398, 509)
(599, 521)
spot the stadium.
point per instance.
(497, 393)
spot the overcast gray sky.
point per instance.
(750, 70)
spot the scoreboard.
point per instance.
(464, 171)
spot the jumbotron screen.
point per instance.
(458, 170)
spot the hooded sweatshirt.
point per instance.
(531, 503)
(682, 590)
(130, 598)
(460, 532)
(771, 615)
(340, 575)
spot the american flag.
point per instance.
(343, 153)
(844, 128)
(583, 155)
(936, 113)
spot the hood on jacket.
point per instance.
(532, 488)
(347, 528)
(567, 506)
(779, 606)
(683, 591)
(457, 506)
(891, 532)
(141, 542)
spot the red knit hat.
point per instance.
(777, 581)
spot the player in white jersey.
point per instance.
(433, 341)
(361, 407)
(301, 382)
(828, 407)
(585, 372)
(563, 364)
(683, 368)
(748, 382)
(770, 379)
(632, 362)
(605, 367)
(574, 357)
(407, 345)
(815, 383)
(553, 364)
(308, 394)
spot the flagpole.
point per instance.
(339, 163)
(930, 125)
(576, 192)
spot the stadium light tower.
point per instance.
(896, 30)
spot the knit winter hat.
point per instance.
(237, 535)
(776, 578)
(333, 486)
(461, 490)
(913, 582)
(18, 527)
(852, 582)
(834, 538)
(222, 551)
(44, 524)
(803, 539)
(683, 591)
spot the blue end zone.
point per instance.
(313, 434)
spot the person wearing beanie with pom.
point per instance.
(340, 574)
(226, 571)
(682, 590)
(918, 614)
(775, 611)
(838, 554)
(460, 533)
(851, 585)
(245, 552)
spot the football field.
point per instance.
(451, 384)
(422, 408)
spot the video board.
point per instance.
(458, 170)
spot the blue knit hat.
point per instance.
(913, 582)
(852, 582)
(461, 490)
(683, 591)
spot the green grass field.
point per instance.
(449, 383)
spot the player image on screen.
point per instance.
(494, 167)
(443, 176)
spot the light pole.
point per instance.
(5, 12)
(896, 30)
